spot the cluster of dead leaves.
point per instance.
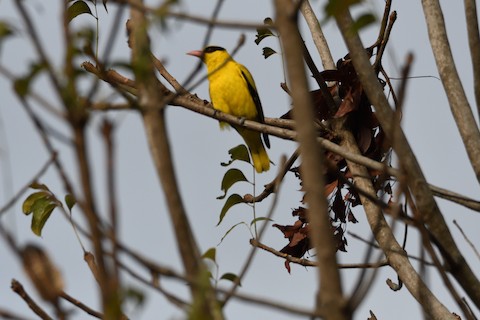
(342, 196)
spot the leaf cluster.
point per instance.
(40, 205)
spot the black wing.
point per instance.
(258, 104)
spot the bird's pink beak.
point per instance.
(196, 53)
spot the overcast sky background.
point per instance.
(199, 147)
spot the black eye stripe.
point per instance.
(213, 49)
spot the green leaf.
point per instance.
(135, 295)
(162, 12)
(31, 200)
(105, 5)
(229, 230)
(210, 275)
(268, 21)
(363, 21)
(254, 221)
(264, 32)
(70, 201)
(210, 254)
(231, 277)
(231, 201)
(267, 52)
(76, 9)
(86, 37)
(240, 153)
(335, 7)
(5, 30)
(22, 84)
(38, 186)
(41, 204)
(231, 177)
(42, 210)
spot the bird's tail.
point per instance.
(260, 159)
(261, 162)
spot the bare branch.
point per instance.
(415, 178)
(470, 243)
(108, 137)
(8, 315)
(474, 43)
(455, 197)
(152, 104)
(81, 305)
(329, 294)
(317, 35)
(452, 84)
(24, 189)
(17, 287)
(309, 263)
(382, 232)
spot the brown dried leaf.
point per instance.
(351, 217)
(329, 188)
(299, 243)
(338, 207)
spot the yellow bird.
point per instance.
(233, 91)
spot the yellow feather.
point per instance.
(233, 91)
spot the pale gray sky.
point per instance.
(199, 147)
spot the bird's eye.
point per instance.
(213, 49)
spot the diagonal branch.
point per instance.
(416, 180)
(17, 287)
(474, 42)
(382, 232)
(317, 34)
(452, 84)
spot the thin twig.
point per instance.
(383, 44)
(179, 89)
(81, 305)
(455, 197)
(383, 24)
(317, 35)
(470, 243)
(109, 45)
(272, 186)
(8, 315)
(34, 95)
(249, 260)
(375, 245)
(327, 96)
(108, 136)
(154, 283)
(309, 263)
(415, 177)
(155, 270)
(474, 43)
(452, 84)
(193, 18)
(426, 240)
(365, 279)
(20, 193)
(17, 287)
(32, 33)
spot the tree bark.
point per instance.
(329, 296)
